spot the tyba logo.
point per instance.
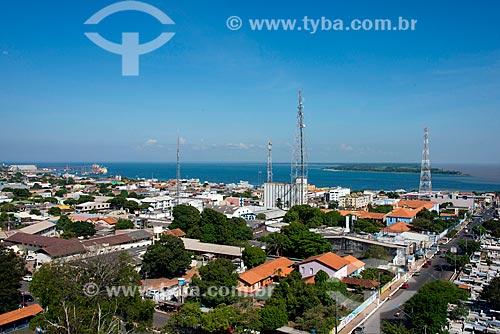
(130, 49)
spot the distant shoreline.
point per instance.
(397, 169)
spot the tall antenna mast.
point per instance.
(425, 171)
(269, 162)
(299, 175)
(178, 177)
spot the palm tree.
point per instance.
(276, 243)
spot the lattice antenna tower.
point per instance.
(425, 171)
(178, 175)
(299, 164)
(269, 162)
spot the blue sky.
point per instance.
(367, 94)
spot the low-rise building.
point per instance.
(332, 264)
(354, 201)
(264, 274)
(90, 206)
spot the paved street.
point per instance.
(392, 308)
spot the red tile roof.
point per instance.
(268, 269)
(22, 313)
(365, 283)
(363, 214)
(309, 280)
(328, 259)
(398, 227)
(353, 264)
(415, 204)
(176, 232)
(404, 213)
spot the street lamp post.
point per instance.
(454, 251)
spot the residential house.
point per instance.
(401, 215)
(418, 204)
(354, 266)
(264, 274)
(45, 228)
(18, 319)
(234, 211)
(332, 264)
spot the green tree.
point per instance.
(131, 206)
(11, 270)
(188, 318)
(457, 260)
(117, 202)
(333, 218)
(469, 246)
(261, 216)
(35, 211)
(61, 192)
(124, 224)
(166, 258)
(294, 295)
(429, 306)
(321, 277)
(253, 256)
(9, 207)
(459, 312)
(395, 328)
(75, 229)
(272, 317)
(185, 217)
(72, 307)
(319, 318)
(216, 274)
(491, 293)
(307, 215)
(277, 244)
(220, 319)
(381, 208)
(303, 242)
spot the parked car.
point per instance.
(30, 258)
(405, 286)
(359, 330)
(151, 293)
(27, 278)
(426, 265)
(417, 273)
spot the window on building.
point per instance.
(311, 271)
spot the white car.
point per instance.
(30, 258)
(27, 278)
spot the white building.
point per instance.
(89, 206)
(285, 194)
(158, 202)
(335, 193)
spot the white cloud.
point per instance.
(241, 146)
(345, 147)
(151, 142)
